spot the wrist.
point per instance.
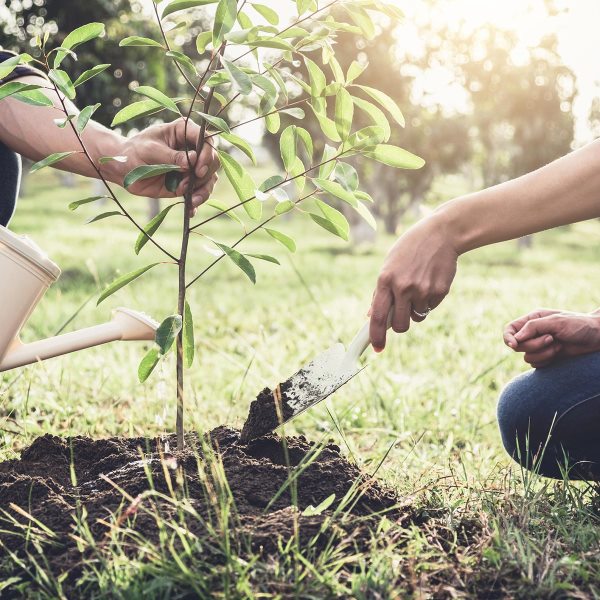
(102, 143)
(456, 227)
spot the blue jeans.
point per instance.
(550, 418)
(10, 179)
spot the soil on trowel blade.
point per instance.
(56, 478)
(267, 412)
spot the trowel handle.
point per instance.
(362, 340)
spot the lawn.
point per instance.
(425, 407)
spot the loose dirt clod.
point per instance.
(57, 478)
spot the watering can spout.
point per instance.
(126, 325)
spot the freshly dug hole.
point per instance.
(43, 483)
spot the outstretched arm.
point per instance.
(32, 132)
(419, 269)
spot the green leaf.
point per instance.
(311, 510)
(218, 123)
(376, 115)
(287, 146)
(202, 41)
(282, 238)
(327, 125)
(104, 215)
(84, 116)
(50, 160)
(148, 364)
(240, 80)
(33, 97)
(241, 144)
(242, 183)
(87, 75)
(303, 135)
(327, 164)
(271, 183)
(270, 43)
(142, 108)
(347, 176)
(183, 60)
(188, 336)
(304, 5)
(136, 40)
(225, 17)
(172, 180)
(9, 65)
(240, 260)
(268, 13)
(384, 100)
(75, 205)
(167, 332)
(366, 137)
(177, 5)
(273, 122)
(333, 220)
(354, 71)
(146, 171)
(152, 227)
(344, 113)
(244, 20)
(222, 207)
(284, 207)
(264, 257)
(395, 157)
(157, 96)
(364, 212)
(78, 36)
(317, 77)
(294, 112)
(362, 20)
(63, 82)
(124, 280)
(335, 189)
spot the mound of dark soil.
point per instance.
(56, 478)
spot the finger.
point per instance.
(402, 314)
(514, 326)
(203, 193)
(537, 328)
(544, 357)
(183, 185)
(380, 309)
(419, 306)
(535, 344)
(208, 163)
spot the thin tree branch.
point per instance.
(248, 233)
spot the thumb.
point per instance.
(537, 327)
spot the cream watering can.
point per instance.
(25, 275)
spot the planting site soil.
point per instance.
(56, 478)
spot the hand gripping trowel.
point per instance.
(25, 275)
(316, 381)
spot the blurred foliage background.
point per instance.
(480, 104)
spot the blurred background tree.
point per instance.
(498, 107)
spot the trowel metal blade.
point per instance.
(324, 375)
(310, 385)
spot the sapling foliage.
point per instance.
(245, 58)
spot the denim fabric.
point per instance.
(549, 418)
(10, 179)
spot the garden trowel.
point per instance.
(316, 381)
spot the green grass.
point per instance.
(430, 397)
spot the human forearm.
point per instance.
(563, 192)
(33, 133)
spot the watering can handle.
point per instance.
(362, 340)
